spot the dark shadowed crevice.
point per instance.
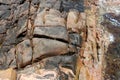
(47, 37)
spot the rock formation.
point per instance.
(59, 39)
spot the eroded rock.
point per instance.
(56, 32)
(41, 74)
(23, 53)
(2, 29)
(66, 61)
(11, 60)
(54, 18)
(72, 19)
(8, 74)
(39, 20)
(22, 9)
(75, 21)
(75, 39)
(47, 47)
(35, 30)
(11, 37)
(72, 4)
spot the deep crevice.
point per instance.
(21, 35)
(47, 37)
(22, 2)
(3, 3)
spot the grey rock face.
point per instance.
(23, 53)
(55, 4)
(71, 4)
(2, 29)
(48, 47)
(75, 39)
(67, 61)
(11, 60)
(56, 32)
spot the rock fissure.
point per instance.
(59, 39)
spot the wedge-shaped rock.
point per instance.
(8, 74)
(58, 32)
(47, 47)
(23, 53)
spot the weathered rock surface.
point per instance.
(60, 39)
(112, 60)
(56, 32)
(75, 39)
(8, 74)
(72, 19)
(70, 4)
(41, 74)
(11, 58)
(47, 47)
(23, 53)
(54, 17)
(49, 17)
(39, 20)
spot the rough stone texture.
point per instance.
(70, 4)
(41, 74)
(8, 74)
(73, 39)
(49, 17)
(54, 18)
(72, 19)
(110, 20)
(11, 60)
(48, 47)
(39, 20)
(91, 68)
(112, 54)
(110, 6)
(56, 32)
(23, 53)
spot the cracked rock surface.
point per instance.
(59, 40)
(34, 35)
